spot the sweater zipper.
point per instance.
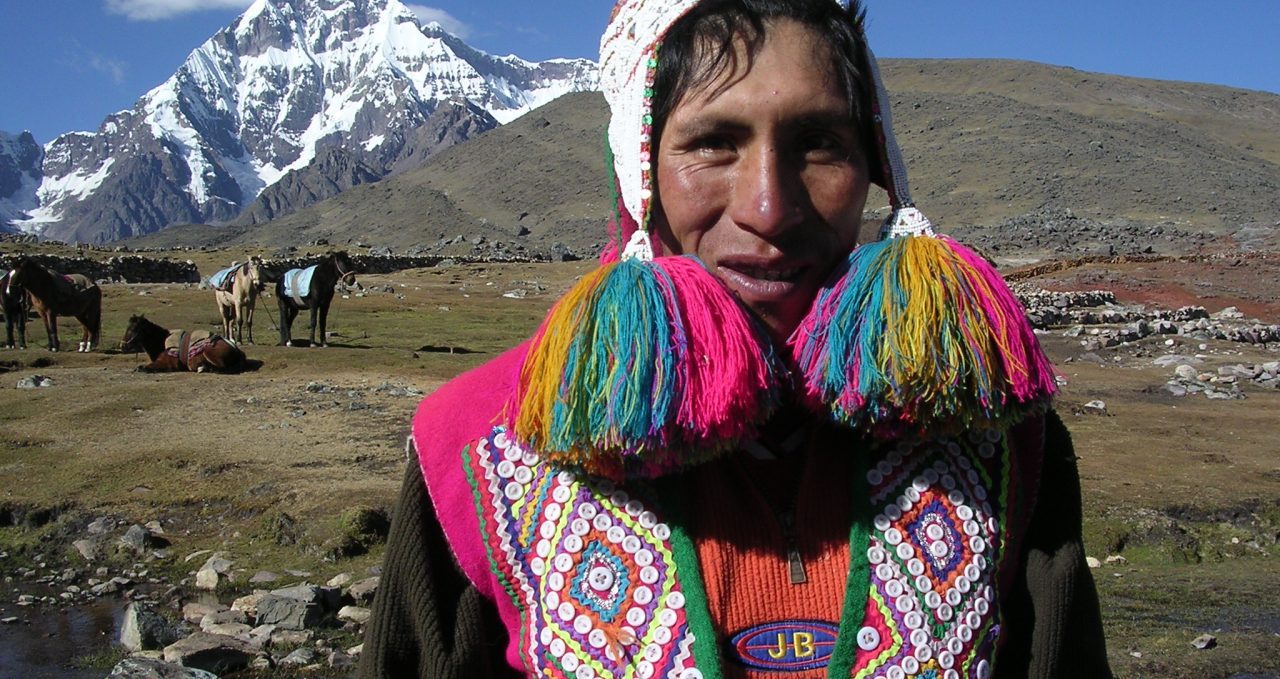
(795, 564)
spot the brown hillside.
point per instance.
(987, 141)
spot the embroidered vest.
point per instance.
(607, 583)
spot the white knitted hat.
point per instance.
(628, 63)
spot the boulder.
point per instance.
(288, 613)
(143, 629)
(194, 612)
(362, 592)
(210, 652)
(299, 657)
(87, 548)
(356, 614)
(149, 668)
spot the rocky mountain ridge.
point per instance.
(293, 102)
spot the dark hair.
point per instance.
(700, 46)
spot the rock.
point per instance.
(1113, 559)
(146, 630)
(87, 548)
(355, 650)
(1175, 389)
(290, 637)
(288, 613)
(339, 580)
(225, 615)
(237, 630)
(35, 382)
(9, 620)
(101, 526)
(1093, 562)
(340, 660)
(362, 592)
(194, 612)
(1205, 641)
(299, 657)
(263, 577)
(1186, 372)
(306, 593)
(249, 603)
(138, 540)
(210, 652)
(150, 668)
(211, 573)
(1094, 407)
(356, 614)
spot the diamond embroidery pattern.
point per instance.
(933, 552)
(589, 567)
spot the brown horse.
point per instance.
(180, 350)
(53, 294)
(16, 306)
(236, 305)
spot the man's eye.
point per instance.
(713, 143)
(823, 144)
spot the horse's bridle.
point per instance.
(342, 274)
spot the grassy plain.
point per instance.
(1186, 490)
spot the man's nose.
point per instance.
(767, 192)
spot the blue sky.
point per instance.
(66, 64)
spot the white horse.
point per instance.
(236, 305)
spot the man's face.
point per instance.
(760, 174)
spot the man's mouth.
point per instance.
(769, 274)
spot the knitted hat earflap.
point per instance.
(915, 333)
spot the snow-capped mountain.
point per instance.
(323, 94)
(20, 158)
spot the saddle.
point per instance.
(297, 282)
(225, 279)
(189, 345)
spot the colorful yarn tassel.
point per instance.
(920, 335)
(644, 366)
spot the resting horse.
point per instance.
(179, 350)
(236, 303)
(311, 288)
(53, 294)
(16, 305)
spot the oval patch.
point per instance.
(786, 646)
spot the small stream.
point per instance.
(47, 639)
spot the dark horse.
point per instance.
(16, 306)
(53, 294)
(317, 297)
(179, 350)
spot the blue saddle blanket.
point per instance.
(222, 279)
(297, 282)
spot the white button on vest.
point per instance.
(868, 638)
(984, 670)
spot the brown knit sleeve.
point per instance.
(427, 619)
(1052, 624)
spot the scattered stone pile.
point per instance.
(1047, 310)
(290, 626)
(1224, 383)
(262, 630)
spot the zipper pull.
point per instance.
(795, 565)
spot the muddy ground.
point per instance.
(1186, 491)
